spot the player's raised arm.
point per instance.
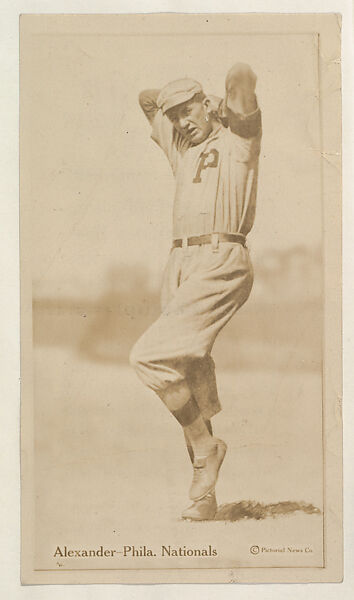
(157, 106)
(240, 107)
(148, 103)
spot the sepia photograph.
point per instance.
(180, 229)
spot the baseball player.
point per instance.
(213, 146)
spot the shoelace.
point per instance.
(209, 495)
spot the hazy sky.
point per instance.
(102, 191)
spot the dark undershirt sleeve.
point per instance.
(245, 126)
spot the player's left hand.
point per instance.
(240, 76)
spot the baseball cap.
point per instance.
(176, 92)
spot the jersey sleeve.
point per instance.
(167, 137)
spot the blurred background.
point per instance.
(101, 193)
(279, 327)
(97, 207)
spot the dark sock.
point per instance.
(188, 413)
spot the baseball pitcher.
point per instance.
(213, 148)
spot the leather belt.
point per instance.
(210, 238)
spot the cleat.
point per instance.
(201, 510)
(206, 471)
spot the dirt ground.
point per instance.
(111, 469)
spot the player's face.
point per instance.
(190, 119)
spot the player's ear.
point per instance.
(211, 104)
(208, 108)
(207, 104)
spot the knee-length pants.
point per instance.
(201, 291)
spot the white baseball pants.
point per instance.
(202, 289)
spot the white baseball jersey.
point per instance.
(216, 181)
(202, 289)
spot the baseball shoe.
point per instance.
(206, 471)
(203, 509)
